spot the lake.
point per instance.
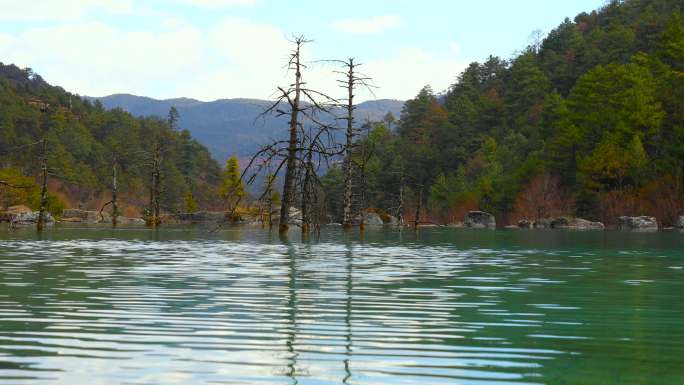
(239, 306)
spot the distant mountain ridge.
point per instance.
(231, 126)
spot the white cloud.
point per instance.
(59, 9)
(455, 48)
(219, 3)
(403, 74)
(233, 58)
(96, 59)
(368, 26)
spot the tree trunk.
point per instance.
(157, 184)
(307, 197)
(288, 185)
(115, 207)
(400, 210)
(155, 187)
(347, 220)
(43, 192)
(416, 220)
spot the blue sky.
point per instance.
(211, 49)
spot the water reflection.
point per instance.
(183, 306)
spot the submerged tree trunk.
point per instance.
(43, 191)
(154, 221)
(347, 220)
(288, 185)
(400, 209)
(307, 197)
(416, 219)
(115, 207)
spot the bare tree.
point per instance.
(301, 104)
(43, 190)
(155, 187)
(352, 80)
(114, 201)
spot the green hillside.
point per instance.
(588, 121)
(83, 141)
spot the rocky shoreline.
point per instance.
(24, 216)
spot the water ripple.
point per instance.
(251, 310)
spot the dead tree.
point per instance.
(400, 207)
(352, 79)
(43, 190)
(153, 219)
(301, 106)
(268, 202)
(114, 201)
(416, 219)
(293, 97)
(318, 146)
(366, 152)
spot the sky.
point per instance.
(218, 49)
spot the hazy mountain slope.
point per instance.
(231, 126)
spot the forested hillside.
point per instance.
(84, 142)
(588, 121)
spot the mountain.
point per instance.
(231, 126)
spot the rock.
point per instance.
(479, 220)
(525, 224)
(560, 223)
(456, 225)
(373, 219)
(513, 227)
(129, 221)
(8, 215)
(544, 223)
(680, 222)
(642, 223)
(428, 226)
(391, 220)
(567, 223)
(76, 215)
(30, 218)
(581, 224)
(370, 219)
(71, 220)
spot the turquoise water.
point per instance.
(185, 306)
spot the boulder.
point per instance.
(31, 218)
(544, 223)
(391, 220)
(641, 223)
(560, 223)
(525, 224)
(581, 224)
(76, 215)
(479, 220)
(567, 223)
(370, 219)
(428, 226)
(130, 221)
(456, 225)
(680, 222)
(8, 215)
